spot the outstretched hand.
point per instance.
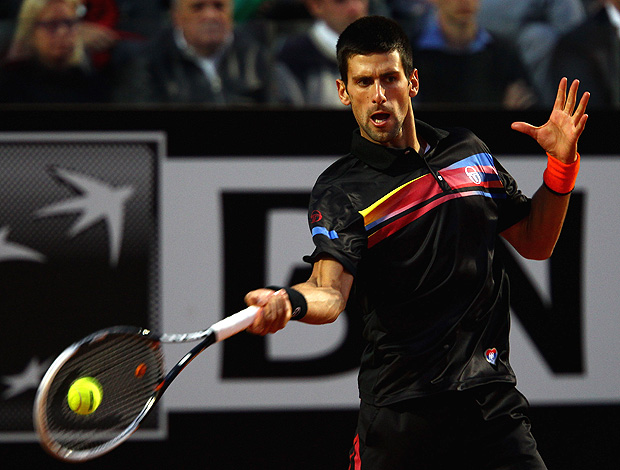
(559, 135)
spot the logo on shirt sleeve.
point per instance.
(315, 217)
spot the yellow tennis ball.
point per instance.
(85, 395)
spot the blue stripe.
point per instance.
(331, 234)
(480, 159)
(488, 194)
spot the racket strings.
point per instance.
(127, 366)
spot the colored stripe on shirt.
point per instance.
(414, 199)
(331, 234)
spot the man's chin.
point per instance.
(380, 137)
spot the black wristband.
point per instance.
(297, 299)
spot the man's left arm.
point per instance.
(535, 236)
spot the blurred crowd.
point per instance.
(507, 54)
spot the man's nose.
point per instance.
(379, 93)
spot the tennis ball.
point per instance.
(85, 395)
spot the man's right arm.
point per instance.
(326, 293)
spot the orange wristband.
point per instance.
(560, 177)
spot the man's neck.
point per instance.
(412, 139)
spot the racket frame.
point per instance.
(219, 331)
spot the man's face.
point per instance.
(205, 23)
(338, 14)
(380, 95)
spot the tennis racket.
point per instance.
(128, 364)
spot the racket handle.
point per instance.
(233, 324)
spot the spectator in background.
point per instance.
(461, 62)
(107, 45)
(591, 51)
(202, 59)
(47, 62)
(99, 18)
(311, 56)
(535, 26)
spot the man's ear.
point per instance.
(342, 93)
(414, 83)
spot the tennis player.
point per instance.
(407, 224)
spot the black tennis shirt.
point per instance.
(419, 235)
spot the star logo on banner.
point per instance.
(26, 380)
(10, 251)
(97, 202)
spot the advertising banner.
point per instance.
(79, 251)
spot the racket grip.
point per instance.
(233, 324)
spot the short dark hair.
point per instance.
(372, 35)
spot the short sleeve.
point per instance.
(515, 206)
(337, 227)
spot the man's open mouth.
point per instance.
(380, 118)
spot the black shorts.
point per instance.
(484, 428)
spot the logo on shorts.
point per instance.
(473, 174)
(491, 355)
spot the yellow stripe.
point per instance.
(369, 209)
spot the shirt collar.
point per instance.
(432, 38)
(381, 157)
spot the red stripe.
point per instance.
(484, 185)
(395, 226)
(354, 458)
(413, 193)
